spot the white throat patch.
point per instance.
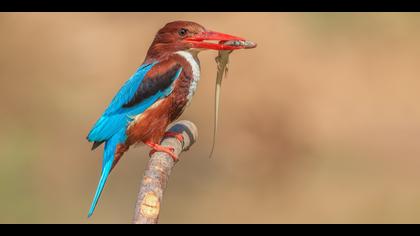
(191, 58)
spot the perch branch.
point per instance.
(157, 173)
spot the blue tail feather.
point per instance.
(108, 159)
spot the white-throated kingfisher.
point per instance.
(156, 95)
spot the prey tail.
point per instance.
(108, 159)
(222, 61)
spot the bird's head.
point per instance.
(186, 35)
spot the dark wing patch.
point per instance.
(158, 79)
(96, 144)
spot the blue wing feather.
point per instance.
(128, 90)
(114, 118)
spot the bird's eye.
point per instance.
(182, 32)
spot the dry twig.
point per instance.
(157, 173)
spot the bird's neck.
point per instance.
(191, 56)
(160, 51)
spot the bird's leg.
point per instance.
(175, 135)
(159, 148)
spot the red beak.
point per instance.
(197, 41)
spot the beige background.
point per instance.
(319, 124)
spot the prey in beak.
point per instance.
(201, 41)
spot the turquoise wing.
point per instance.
(135, 96)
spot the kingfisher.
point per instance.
(155, 95)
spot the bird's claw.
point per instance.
(168, 150)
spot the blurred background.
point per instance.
(319, 124)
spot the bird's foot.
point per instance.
(175, 135)
(159, 148)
